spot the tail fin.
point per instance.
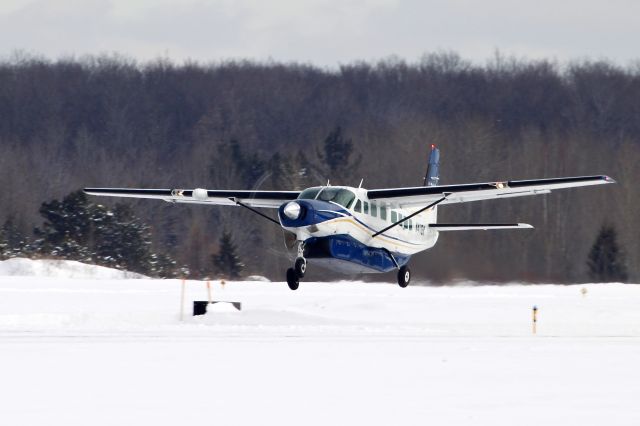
(433, 174)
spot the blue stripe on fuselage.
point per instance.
(346, 248)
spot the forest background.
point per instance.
(109, 121)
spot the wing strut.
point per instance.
(393, 225)
(241, 204)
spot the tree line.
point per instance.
(76, 229)
(108, 121)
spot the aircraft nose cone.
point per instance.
(296, 213)
(292, 210)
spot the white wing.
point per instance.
(424, 195)
(268, 199)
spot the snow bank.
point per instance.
(61, 269)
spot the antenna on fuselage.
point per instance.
(328, 182)
(361, 181)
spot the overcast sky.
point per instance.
(323, 32)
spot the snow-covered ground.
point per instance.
(100, 349)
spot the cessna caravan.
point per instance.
(358, 230)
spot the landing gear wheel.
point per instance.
(404, 276)
(292, 279)
(301, 267)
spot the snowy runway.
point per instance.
(113, 351)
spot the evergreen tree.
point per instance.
(13, 243)
(67, 228)
(122, 240)
(337, 150)
(226, 262)
(249, 168)
(162, 265)
(3, 246)
(75, 229)
(336, 155)
(606, 260)
(5, 250)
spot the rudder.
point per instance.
(433, 169)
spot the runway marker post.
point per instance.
(535, 318)
(209, 291)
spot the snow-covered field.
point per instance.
(102, 349)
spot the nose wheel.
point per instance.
(292, 279)
(296, 273)
(301, 266)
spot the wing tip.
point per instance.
(608, 179)
(525, 225)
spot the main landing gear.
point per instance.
(404, 273)
(299, 268)
(404, 276)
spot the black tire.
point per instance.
(301, 267)
(404, 276)
(292, 279)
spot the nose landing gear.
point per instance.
(299, 268)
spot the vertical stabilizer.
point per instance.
(433, 173)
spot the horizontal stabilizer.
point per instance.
(478, 227)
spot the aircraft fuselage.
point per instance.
(338, 232)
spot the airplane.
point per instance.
(358, 230)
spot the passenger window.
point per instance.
(358, 207)
(394, 216)
(383, 213)
(366, 207)
(374, 210)
(410, 224)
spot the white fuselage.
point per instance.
(363, 218)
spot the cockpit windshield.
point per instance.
(309, 193)
(341, 196)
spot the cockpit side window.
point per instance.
(358, 206)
